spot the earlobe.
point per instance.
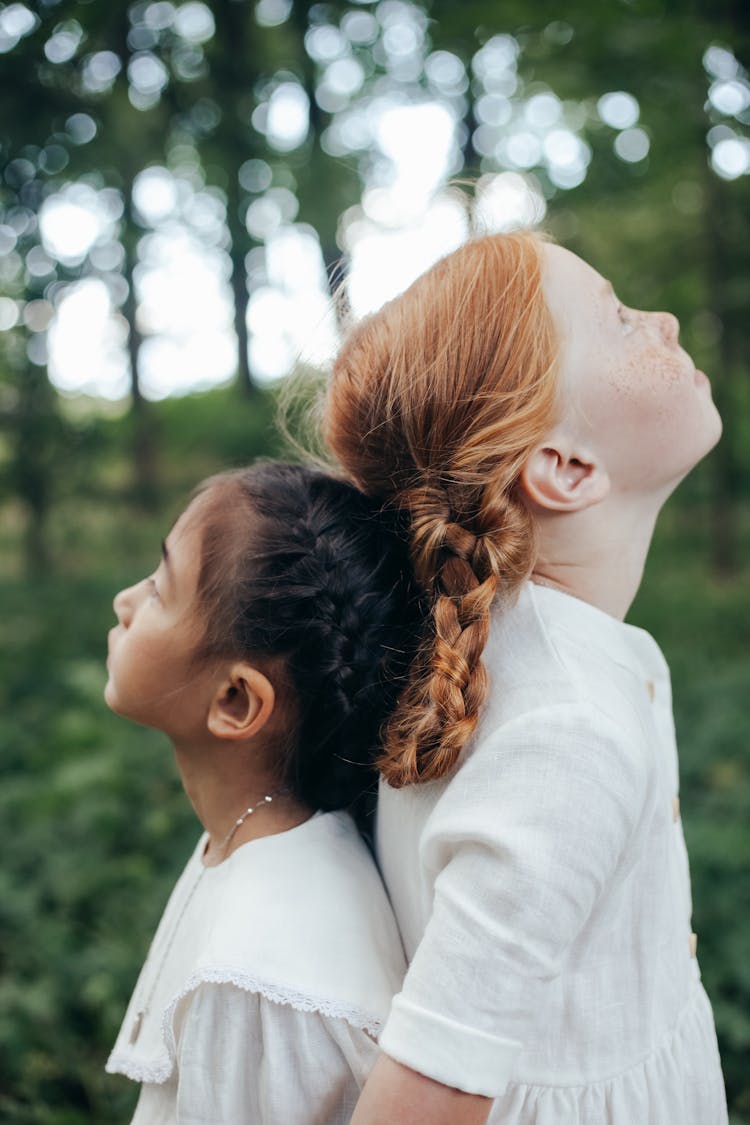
(242, 704)
(561, 481)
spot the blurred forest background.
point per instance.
(236, 128)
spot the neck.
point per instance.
(594, 556)
(222, 782)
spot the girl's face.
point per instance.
(153, 678)
(628, 389)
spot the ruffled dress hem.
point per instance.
(679, 1083)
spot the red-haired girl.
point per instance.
(530, 427)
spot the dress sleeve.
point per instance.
(520, 846)
(246, 1060)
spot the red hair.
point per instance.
(434, 405)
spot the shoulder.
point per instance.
(301, 874)
(306, 917)
(568, 708)
(321, 860)
(298, 921)
(567, 720)
(551, 657)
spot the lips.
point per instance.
(110, 645)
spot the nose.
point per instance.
(669, 326)
(123, 605)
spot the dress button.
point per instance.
(693, 944)
(650, 690)
(675, 809)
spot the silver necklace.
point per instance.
(142, 1012)
(269, 797)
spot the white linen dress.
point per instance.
(266, 984)
(543, 891)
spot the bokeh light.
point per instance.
(730, 157)
(407, 130)
(16, 22)
(71, 221)
(618, 109)
(632, 145)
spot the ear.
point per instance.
(242, 704)
(560, 479)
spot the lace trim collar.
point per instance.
(120, 1062)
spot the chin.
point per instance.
(711, 430)
(711, 438)
(109, 695)
(115, 705)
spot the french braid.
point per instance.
(434, 405)
(303, 569)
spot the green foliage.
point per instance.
(217, 431)
(704, 629)
(95, 826)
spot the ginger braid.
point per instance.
(434, 405)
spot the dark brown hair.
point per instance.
(301, 570)
(434, 405)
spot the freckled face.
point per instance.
(627, 387)
(152, 677)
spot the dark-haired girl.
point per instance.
(269, 645)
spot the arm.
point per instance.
(396, 1095)
(518, 850)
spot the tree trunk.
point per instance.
(145, 486)
(240, 295)
(236, 76)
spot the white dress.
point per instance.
(266, 985)
(543, 891)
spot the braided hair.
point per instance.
(303, 571)
(435, 402)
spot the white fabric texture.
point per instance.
(543, 891)
(245, 1059)
(266, 983)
